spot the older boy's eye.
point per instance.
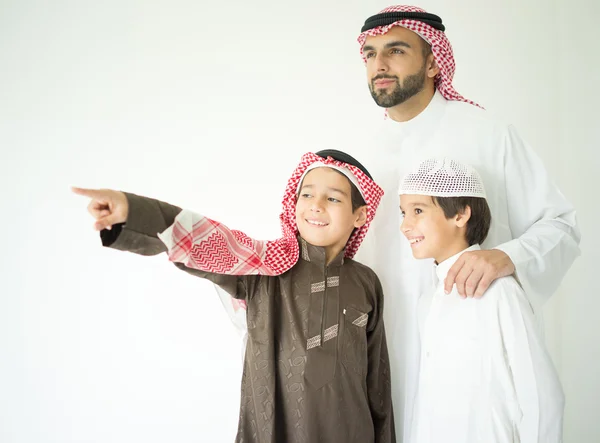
(305, 195)
(334, 200)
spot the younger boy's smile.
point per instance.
(423, 218)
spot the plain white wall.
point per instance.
(209, 105)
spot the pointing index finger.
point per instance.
(91, 193)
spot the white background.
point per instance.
(209, 105)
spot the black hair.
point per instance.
(357, 198)
(478, 225)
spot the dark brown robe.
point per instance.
(316, 365)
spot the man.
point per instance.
(534, 233)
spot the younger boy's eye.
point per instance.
(418, 211)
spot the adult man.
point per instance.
(410, 67)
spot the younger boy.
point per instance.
(485, 376)
(316, 365)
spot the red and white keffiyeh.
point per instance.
(440, 46)
(207, 245)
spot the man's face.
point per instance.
(324, 209)
(396, 66)
(430, 233)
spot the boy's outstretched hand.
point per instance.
(108, 207)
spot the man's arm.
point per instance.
(542, 221)
(378, 376)
(543, 225)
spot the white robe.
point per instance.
(485, 375)
(531, 220)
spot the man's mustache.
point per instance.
(382, 76)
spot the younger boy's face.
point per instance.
(430, 233)
(324, 210)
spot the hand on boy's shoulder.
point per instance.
(475, 271)
(108, 207)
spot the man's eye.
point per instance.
(397, 51)
(369, 54)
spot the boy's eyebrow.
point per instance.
(329, 188)
(416, 204)
(339, 191)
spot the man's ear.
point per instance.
(432, 67)
(361, 216)
(463, 217)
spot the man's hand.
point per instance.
(108, 207)
(475, 271)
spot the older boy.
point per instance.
(316, 364)
(485, 375)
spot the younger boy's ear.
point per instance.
(361, 216)
(463, 217)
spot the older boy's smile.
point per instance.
(316, 223)
(324, 213)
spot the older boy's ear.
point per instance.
(463, 217)
(361, 216)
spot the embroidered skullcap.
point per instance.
(443, 177)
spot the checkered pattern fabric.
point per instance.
(440, 46)
(205, 244)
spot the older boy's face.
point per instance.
(430, 233)
(324, 210)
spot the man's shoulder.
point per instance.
(464, 114)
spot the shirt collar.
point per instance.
(317, 255)
(442, 269)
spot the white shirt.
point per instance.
(485, 376)
(531, 220)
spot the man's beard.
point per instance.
(412, 85)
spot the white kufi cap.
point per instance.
(443, 177)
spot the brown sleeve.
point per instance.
(379, 387)
(146, 218)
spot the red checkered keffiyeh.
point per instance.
(201, 243)
(440, 46)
